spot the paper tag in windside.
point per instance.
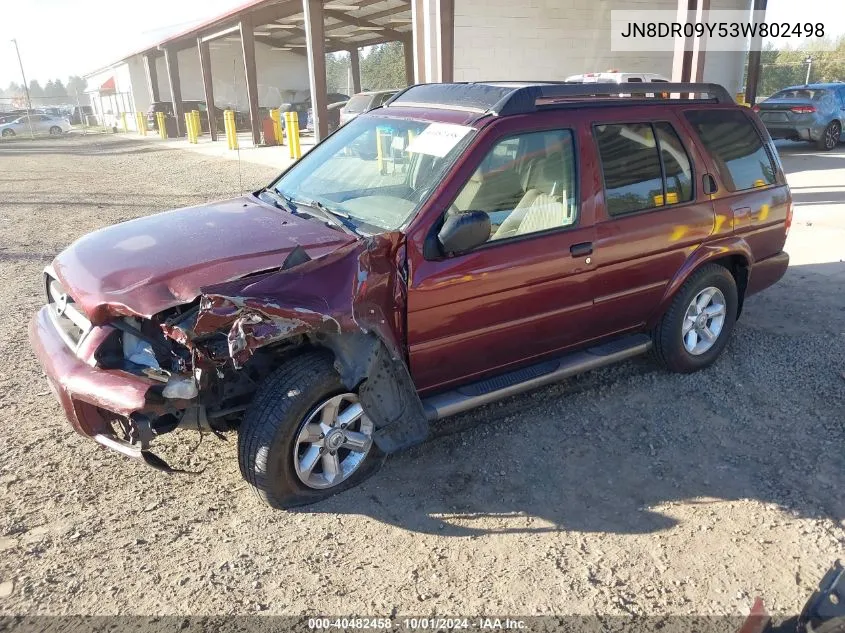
(438, 139)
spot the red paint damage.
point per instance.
(144, 266)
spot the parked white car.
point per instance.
(41, 124)
(615, 77)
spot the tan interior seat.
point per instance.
(490, 191)
(545, 204)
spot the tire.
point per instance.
(671, 344)
(830, 136)
(55, 131)
(8, 133)
(269, 433)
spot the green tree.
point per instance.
(35, 90)
(383, 67)
(60, 90)
(76, 86)
(788, 67)
(337, 69)
(49, 89)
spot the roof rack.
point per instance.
(507, 97)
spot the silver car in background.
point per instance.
(40, 124)
(364, 102)
(814, 113)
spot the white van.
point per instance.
(615, 77)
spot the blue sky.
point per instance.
(58, 38)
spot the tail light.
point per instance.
(756, 108)
(788, 223)
(808, 109)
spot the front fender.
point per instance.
(730, 246)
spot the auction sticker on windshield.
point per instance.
(438, 139)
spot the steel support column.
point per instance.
(408, 50)
(208, 85)
(355, 67)
(248, 44)
(171, 60)
(752, 78)
(316, 46)
(151, 73)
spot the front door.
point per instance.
(523, 294)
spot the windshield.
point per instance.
(376, 171)
(358, 103)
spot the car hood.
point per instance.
(144, 266)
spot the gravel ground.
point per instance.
(624, 491)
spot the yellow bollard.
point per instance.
(297, 153)
(141, 123)
(289, 133)
(379, 151)
(277, 125)
(197, 125)
(231, 129)
(162, 124)
(189, 127)
(123, 122)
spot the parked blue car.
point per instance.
(814, 113)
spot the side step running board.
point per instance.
(489, 390)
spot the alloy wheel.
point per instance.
(831, 135)
(704, 320)
(333, 442)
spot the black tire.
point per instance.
(267, 435)
(8, 133)
(830, 136)
(669, 349)
(55, 131)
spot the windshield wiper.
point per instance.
(340, 220)
(278, 199)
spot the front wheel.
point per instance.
(305, 436)
(55, 131)
(695, 329)
(830, 136)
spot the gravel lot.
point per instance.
(627, 490)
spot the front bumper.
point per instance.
(92, 397)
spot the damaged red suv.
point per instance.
(461, 244)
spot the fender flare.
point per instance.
(730, 247)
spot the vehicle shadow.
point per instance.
(614, 450)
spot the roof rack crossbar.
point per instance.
(524, 100)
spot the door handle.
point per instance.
(746, 212)
(581, 250)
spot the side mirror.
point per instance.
(464, 231)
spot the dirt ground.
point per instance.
(627, 490)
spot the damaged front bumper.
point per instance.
(95, 399)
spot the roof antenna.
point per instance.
(237, 144)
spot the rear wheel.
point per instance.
(830, 136)
(55, 131)
(8, 133)
(305, 436)
(695, 329)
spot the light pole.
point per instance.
(26, 90)
(809, 62)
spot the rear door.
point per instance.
(752, 188)
(525, 293)
(650, 216)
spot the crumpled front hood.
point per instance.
(147, 265)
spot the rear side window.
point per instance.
(736, 148)
(644, 166)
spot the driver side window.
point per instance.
(526, 184)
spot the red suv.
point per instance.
(460, 244)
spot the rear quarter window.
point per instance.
(735, 146)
